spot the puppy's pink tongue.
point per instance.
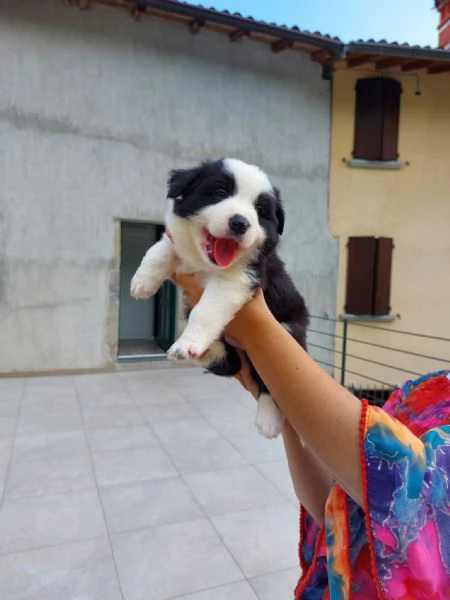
(224, 251)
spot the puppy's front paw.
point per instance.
(187, 349)
(142, 287)
(269, 418)
(216, 353)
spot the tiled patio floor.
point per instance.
(142, 485)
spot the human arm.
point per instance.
(323, 413)
(311, 480)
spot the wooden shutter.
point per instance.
(368, 120)
(360, 275)
(383, 268)
(391, 118)
(377, 118)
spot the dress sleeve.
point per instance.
(406, 503)
(313, 559)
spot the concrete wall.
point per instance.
(411, 206)
(94, 110)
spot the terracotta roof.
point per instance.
(236, 26)
(322, 47)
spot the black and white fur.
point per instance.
(229, 199)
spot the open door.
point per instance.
(165, 315)
(146, 327)
(166, 306)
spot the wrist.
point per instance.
(248, 322)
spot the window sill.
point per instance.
(370, 318)
(388, 165)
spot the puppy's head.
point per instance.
(231, 209)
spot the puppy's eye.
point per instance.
(220, 194)
(263, 211)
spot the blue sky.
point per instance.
(412, 21)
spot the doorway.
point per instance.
(146, 327)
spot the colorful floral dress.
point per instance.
(397, 547)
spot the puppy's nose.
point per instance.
(238, 224)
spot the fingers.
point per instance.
(233, 343)
(184, 280)
(191, 285)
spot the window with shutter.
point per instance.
(377, 117)
(382, 278)
(369, 276)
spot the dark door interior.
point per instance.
(146, 327)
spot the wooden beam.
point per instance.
(388, 63)
(137, 13)
(195, 26)
(321, 56)
(417, 64)
(357, 60)
(439, 68)
(281, 45)
(238, 35)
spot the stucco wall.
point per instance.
(94, 110)
(410, 205)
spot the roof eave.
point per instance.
(390, 50)
(202, 14)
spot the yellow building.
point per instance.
(390, 179)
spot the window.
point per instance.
(377, 119)
(369, 276)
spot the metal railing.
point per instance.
(373, 359)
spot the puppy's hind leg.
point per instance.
(269, 418)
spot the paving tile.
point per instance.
(3, 472)
(159, 413)
(278, 474)
(204, 455)
(135, 464)
(49, 445)
(258, 449)
(156, 395)
(120, 438)
(76, 571)
(47, 520)
(9, 407)
(8, 426)
(185, 431)
(148, 503)
(5, 448)
(262, 540)
(56, 381)
(277, 586)
(98, 381)
(221, 406)
(11, 383)
(232, 490)
(161, 562)
(49, 416)
(105, 399)
(38, 395)
(110, 417)
(199, 389)
(235, 425)
(49, 476)
(234, 591)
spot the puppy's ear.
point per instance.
(279, 213)
(180, 180)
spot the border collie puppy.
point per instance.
(223, 221)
